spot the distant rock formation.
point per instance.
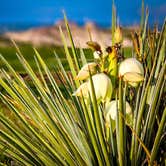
(51, 35)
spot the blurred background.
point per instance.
(24, 14)
(35, 23)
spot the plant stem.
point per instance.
(158, 138)
(121, 150)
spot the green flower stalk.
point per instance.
(112, 54)
(112, 60)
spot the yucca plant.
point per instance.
(108, 112)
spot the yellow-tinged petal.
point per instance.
(84, 72)
(82, 91)
(133, 77)
(132, 71)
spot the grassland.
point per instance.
(46, 52)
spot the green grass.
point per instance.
(46, 52)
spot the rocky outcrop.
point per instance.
(51, 35)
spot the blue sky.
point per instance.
(48, 11)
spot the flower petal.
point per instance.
(111, 108)
(133, 77)
(84, 72)
(102, 85)
(82, 91)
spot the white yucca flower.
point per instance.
(102, 85)
(111, 108)
(132, 71)
(84, 72)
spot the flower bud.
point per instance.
(84, 72)
(132, 71)
(118, 35)
(102, 85)
(97, 54)
(111, 108)
(94, 45)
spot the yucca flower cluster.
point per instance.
(104, 75)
